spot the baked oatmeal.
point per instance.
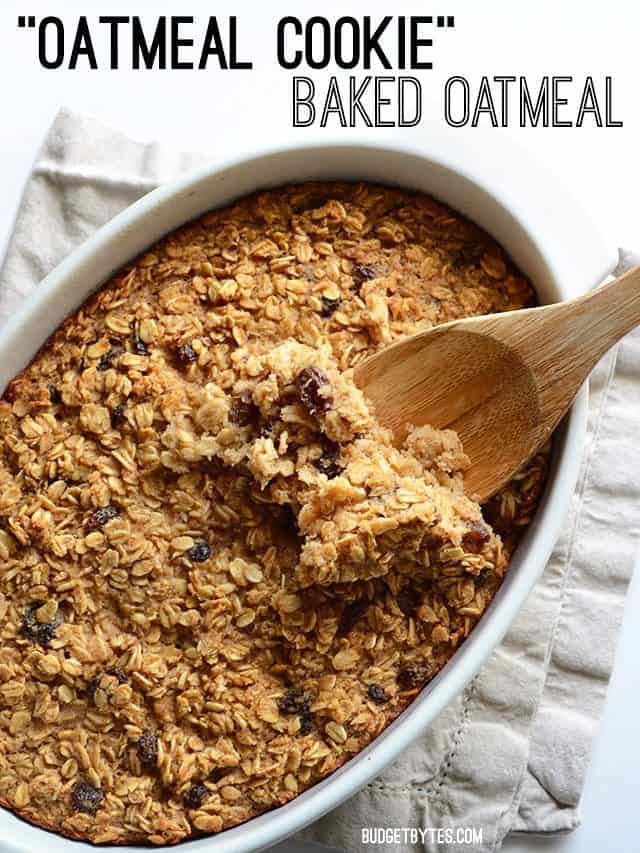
(219, 578)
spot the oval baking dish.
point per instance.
(163, 210)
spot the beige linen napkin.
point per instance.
(511, 752)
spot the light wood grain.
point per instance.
(503, 381)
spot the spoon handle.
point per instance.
(563, 342)
(610, 311)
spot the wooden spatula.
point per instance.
(503, 381)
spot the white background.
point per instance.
(228, 112)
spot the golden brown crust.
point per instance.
(218, 579)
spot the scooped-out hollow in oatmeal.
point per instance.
(219, 578)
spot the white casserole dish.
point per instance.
(548, 237)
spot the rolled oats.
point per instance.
(219, 579)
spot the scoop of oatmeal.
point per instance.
(303, 431)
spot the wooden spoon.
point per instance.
(503, 381)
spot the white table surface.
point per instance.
(227, 111)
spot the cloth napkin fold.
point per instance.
(511, 752)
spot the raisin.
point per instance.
(480, 581)
(92, 686)
(328, 463)
(38, 632)
(199, 553)
(100, 517)
(85, 798)
(185, 355)
(412, 676)
(329, 468)
(288, 704)
(243, 410)
(315, 391)
(107, 359)
(29, 621)
(329, 306)
(363, 273)
(475, 538)
(119, 674)
(217, 774)
(294, 701)
(118, 416)
(409, 599)
(467, 256)
(139, 346)
(54, 395)
(46, 633)
(195, 796)
(306, 723)
(148, 749)
(377, 694)
(350, 616)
